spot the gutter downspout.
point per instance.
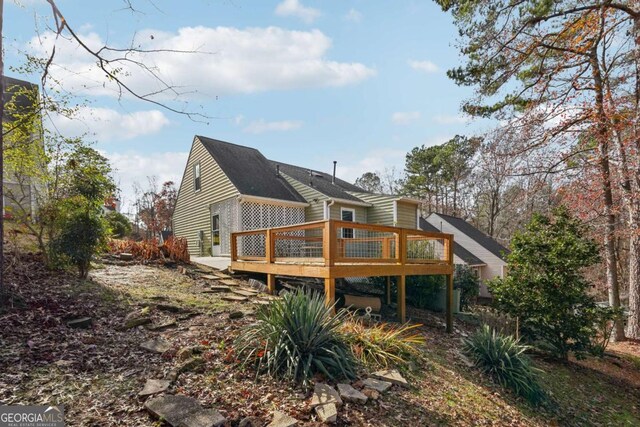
(327, 208)
(395, 213)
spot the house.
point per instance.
(471, 247)
(228, 187)
(20, 190)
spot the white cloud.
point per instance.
(353, 16)
(425, 66)
(224, 60)
(297, 9)
(446, 119)
(261, 126)
(105, 124)
(134, 167)
(405, 117)
(375, 160)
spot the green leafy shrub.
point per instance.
(382, 344)
(502, 358)
(295, 338)
(605, 318)
(119, 225)
(468, 283)
(422, 290)
(545, 288)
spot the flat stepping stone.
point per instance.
(209, 277)
(171, 308)
(253, 291)
(154, 387)
(243, 293)
(134, 323)
(222, 275)
(229, 282)
(156, 345)
(392, 376)
(327, 413)
(81, 323)
(350, 394)
(280, 419)
(377, 385)
(217, 289)
(235, 298)
(163, 326)
(173, 408)
(324, 394)
(204, 418)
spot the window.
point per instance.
(347, 214)
(196, 177)
(215, 230)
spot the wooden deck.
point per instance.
(333, 249)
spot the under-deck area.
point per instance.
(333, 249)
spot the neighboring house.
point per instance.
(472, 247)
(228, 187)
(19, 191)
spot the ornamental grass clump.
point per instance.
(502, 358)
(295, 338)
(382, 344)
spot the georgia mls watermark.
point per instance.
(31, 416)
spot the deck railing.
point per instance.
(333, 242)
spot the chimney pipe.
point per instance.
(333, 179)
(278, 170)
(310, 178)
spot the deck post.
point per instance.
(329, 243)
(330, 291)
(270, 244)
(388, 290)
(450, 302)
(271, 283)
(402, 300)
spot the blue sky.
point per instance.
(306, 82)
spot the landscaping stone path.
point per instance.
(183, 411)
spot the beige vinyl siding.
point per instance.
(407, 217)
(192, 208)
(381, 213)
(315, 210)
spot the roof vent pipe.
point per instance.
(278, 170)
(310, 178)
(333, 179)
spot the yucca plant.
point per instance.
(295, 338)
(382, 344)
(502, 358)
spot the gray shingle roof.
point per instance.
(458, 250)
(250, 171)
(320, 181)
(482, 239)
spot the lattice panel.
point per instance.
(261, 215)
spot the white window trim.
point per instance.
(353, 215)
(194, 177)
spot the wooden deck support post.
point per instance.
(271, 283)
(329, 292)
(402, 300)
(388, 290)
(449, 311)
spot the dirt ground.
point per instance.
(98, 372)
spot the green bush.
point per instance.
(295, 338)
(119, 225)
(468, 283)
(502, 358)
(545, 288)
(382, 344)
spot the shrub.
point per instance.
(382, 344)
(465, 280)
(502, 358)
(605, 318)
(422, 290)
(545, 287)
(295, 338)
(119, 225)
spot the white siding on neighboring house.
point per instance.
(494, 264)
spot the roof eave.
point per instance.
(271, 201)
(351, 202)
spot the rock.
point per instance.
(80, 323)
(188, 352)
(392, 376)
(280, 419)
(125, 256)
(380, 386)
(154, 387)
(468, 363)
(234, 298)
(209, 277)
(236, 315)
(172, 408)
(221, 275)
(134, 323)
(251, 422)
(195, 364)
(170, 308)
(327, 413)
(163, 326)
(156, 345)
(350, 394)
(228, 282)
(204, 418)
(323, 394)
(214, 289)
(188, 316)
(371, 393)
(172, 375)
(243, 293)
